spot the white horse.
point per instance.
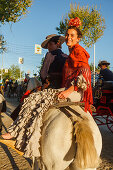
(69, 146)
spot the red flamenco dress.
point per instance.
(76, 65)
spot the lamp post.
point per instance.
(20, 71)
(21, 61)
(2, 68)
(1, 47)
(94, 69)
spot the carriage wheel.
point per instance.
(98, 94)
(109, 121)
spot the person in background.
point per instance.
(54, 61)
(105, 73)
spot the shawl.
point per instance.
(75, 65)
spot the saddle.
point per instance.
(64, 104)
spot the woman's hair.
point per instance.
(79, 33)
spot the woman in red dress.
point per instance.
(76, 73)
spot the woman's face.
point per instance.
(71, 38)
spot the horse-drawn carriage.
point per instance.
(103, 102)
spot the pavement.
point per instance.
(11, 160)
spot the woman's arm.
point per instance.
(64, 94)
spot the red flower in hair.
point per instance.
(75, 22)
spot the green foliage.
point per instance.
(13, 10)
(13, 73)
(2, 44)
(5, 75)
(41, 64)
(97, 68)
(93, 24)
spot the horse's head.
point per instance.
(33, 83)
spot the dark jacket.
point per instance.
(52, 68)
(106, 74)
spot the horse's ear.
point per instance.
(27, 77)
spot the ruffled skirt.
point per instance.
(27, 127)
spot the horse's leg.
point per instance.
(56, 144)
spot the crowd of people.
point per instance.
(13, 88)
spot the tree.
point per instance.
(97, 68)
(93, 24)
(41, 64)
(5, 75)
(2, 44)
(13, 73)
(13, 10)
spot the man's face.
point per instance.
(103, 66)
(51, 46)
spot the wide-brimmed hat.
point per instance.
(103, 63)
(50, 37)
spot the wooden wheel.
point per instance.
(109, 121)
(98, 94)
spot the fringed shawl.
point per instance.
(77, 64)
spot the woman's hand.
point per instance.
(64, 94)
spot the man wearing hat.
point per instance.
(105, 73)
(54, 60)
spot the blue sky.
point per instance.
(43, 17)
